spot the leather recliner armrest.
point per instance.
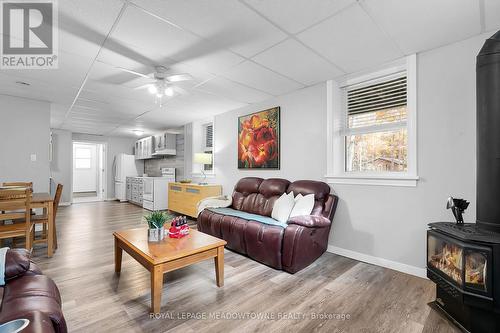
(310, 221)
(17, 262)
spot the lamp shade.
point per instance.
(202, 158)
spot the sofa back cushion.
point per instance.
(321, 191)
(257, 196)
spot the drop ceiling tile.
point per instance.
(113, 93)
(296, 15)
(153, 39)
(196, 105)
(228, 23)
(258, 77)
(422, 25)
(215, 62)
(296, 61)
(351, 40)
(105, 68)
(223, 87)
(38, 90)
(71, 71)
(83, 25)
(492, 14)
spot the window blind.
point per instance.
(381, 96)
(209, 135)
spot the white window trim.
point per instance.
(336, 173)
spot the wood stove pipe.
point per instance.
(488, 134)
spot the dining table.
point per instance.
(43, 200)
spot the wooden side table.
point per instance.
(184, 198)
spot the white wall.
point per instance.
(24, 130)
(61, 165)
(390, 222)
(379, 221)
(85, 180)
(115, 145)
(303, 136)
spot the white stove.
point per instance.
(155, 190)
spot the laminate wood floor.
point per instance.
(255, 298)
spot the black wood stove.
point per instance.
(464, 259)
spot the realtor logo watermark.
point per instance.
(30, 39)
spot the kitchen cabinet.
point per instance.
(144, 148)
(129, 188)
(164, 144)
(136, 190)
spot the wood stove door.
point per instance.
(478, 270)
(445, 257)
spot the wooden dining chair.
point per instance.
(44, 221)
(15, 204)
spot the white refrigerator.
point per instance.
(125, 166)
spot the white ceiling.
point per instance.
(238, 51)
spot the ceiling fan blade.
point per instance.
(133, 72)
(144, 86)
(180, 90)
(179, 77)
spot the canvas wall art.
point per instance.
(259, 140)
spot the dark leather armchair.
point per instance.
(29, 294)
(304, 239)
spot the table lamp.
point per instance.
(204, 159)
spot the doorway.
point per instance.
(88, 172)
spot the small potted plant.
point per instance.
(155, 221)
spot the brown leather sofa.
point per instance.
(292, 248)
(29, 294)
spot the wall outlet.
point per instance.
(33, 157)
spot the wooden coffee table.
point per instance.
(168, 255)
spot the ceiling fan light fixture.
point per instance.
(169, 91)
(152, 89)
(138, 132)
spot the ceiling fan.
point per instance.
(162, 84)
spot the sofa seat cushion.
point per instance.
(229, 228)
(259, 241)
(263, 243)
(248, 216)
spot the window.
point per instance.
(208, 139)
(83, 158)
(371, 127)
(202, 136)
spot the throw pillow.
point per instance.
(303, 205)
(282, 207)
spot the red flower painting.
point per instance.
(258, 140)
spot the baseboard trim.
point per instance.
(397, 266)
(65, 204)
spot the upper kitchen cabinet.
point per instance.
(164, 144)
(144, 148)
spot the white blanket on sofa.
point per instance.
(214, 202)
(3, 253)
